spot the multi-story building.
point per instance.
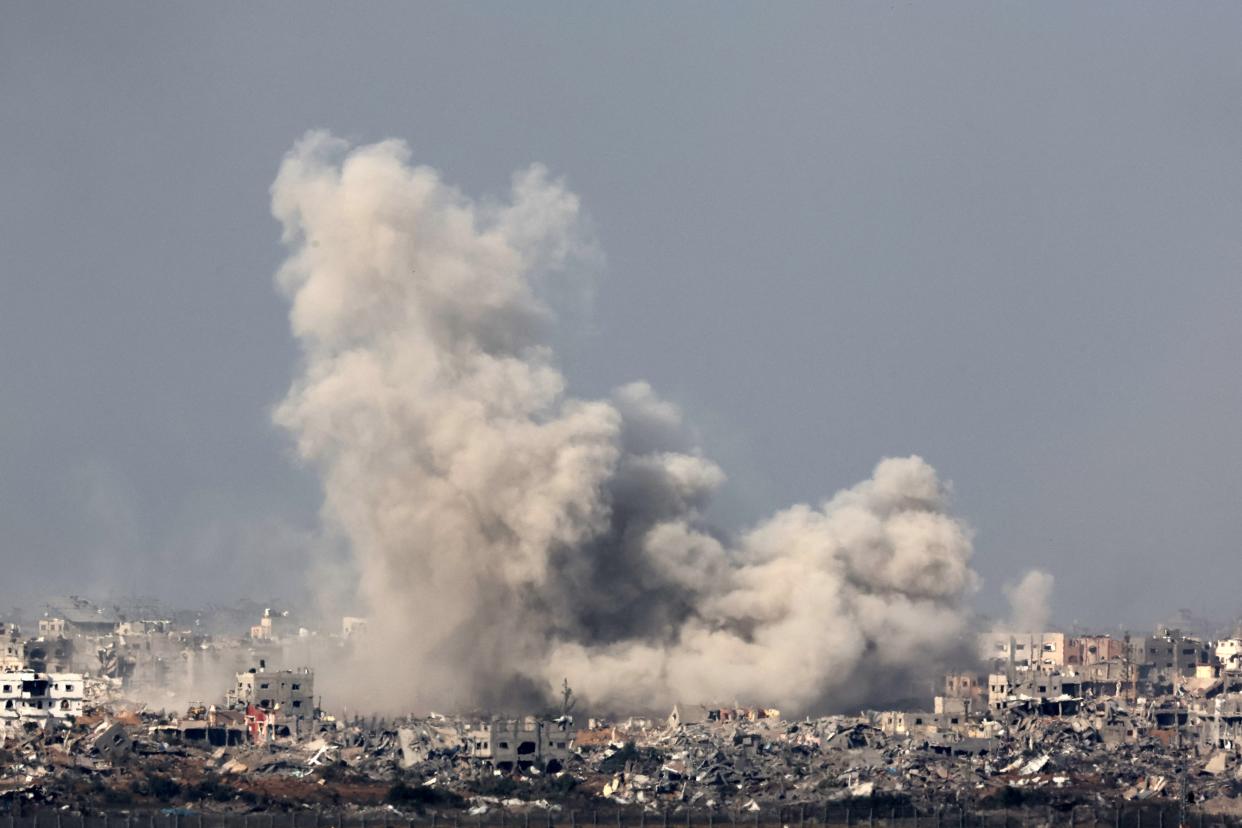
(290, 692)
(509, 744)
(964, 686)
(1221, 723)
(1048, 649)
(1168, 655)
(73, 615)
(1094, 649)
(1229, 653)
(1053, 693)
(28, 696)
(12, 648)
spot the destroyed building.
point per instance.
(1061, 719)
(520, 744)
(12, 648)
(73, 615)
(27, 696)
(290, 692)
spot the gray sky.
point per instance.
(1003, 236)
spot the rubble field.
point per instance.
(822, 770)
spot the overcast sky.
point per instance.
(1003, 236)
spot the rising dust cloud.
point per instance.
(508, 534)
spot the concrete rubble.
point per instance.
(1049, 734)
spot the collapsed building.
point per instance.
(1046, 717)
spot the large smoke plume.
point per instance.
(508, 534)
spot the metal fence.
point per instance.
(1163, 815)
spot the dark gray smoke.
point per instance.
(508, 534)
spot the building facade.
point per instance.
(42, 698)
(520, 744)
(289, 692)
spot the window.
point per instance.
(297, 687)
(8, 688)
(953, 720)
(263, 686)
(69, 688)
(1043, 688)
(504, 745)
(918, 721)
(297, 702)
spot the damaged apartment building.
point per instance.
(520, 744)
(40, 699)
(278, 703)
(1175, 689)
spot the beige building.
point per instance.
(291, 692)
(1026, 648)
(509, 744)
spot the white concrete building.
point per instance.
(27, 696)
(1229, 653)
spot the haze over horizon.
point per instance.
(1002, 238)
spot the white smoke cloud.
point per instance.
(508, 534)
(1029, 602)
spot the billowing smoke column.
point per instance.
(507, 534)
(1029, 602)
